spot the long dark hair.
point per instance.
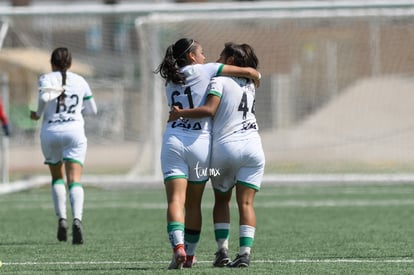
(243, 54)
(176, 57)
(61, 60)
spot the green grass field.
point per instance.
(338, 229)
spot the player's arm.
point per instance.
(89, 105)
(208, 109)
(47, 92)
(41, 105)
(245, 72)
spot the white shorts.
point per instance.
(240, 162)
(185, 157)
(63, 146)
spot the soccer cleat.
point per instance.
(62, 233)
(77, 232)
(190, 261)
(222, 258)
(240, 261)
(178, 258)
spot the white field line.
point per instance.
(293, 261)
(274, 204)
(128, 181)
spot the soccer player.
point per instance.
(186, 143)
(237, 152)
(63, 139)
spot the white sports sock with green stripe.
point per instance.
(191, 239)
(76, 195)
(222, 233)
(59, 198)
(175, 233)
(246, 239)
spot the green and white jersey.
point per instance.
(66, 114)
(235, 117)
(191, 95)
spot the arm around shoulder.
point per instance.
(246, 72)
(206, 110)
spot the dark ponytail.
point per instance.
(61, 60)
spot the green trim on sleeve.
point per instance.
(220, 69)
(213, 92)
(87, 97)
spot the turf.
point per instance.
(339, 229)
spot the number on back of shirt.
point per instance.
(62, 107)
(244, 106)
(175, 102)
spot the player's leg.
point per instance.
(221, 219)
(52, 152)
(174, 166)
(74, 153)
(247, 224)
(193, 220)
(176, 193)
(197, 150)
(249, 178)
(76, 192)
(77, 197)
(223, 157)
(58, 191)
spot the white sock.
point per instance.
(175, 233)
(176, 237)
(221, 232)
(59, 198)
(246, 238)
(76, 195)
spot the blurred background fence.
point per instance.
(336, 93)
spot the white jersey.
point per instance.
(63, 134)
(237, 154)
(235, 116)
(191, 95)
(185, 151)
(65, 115)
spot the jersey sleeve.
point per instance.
(47, 81)
(215, 87)
(89, 105)
(214, 69)
(43, 82)
(86, 88)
